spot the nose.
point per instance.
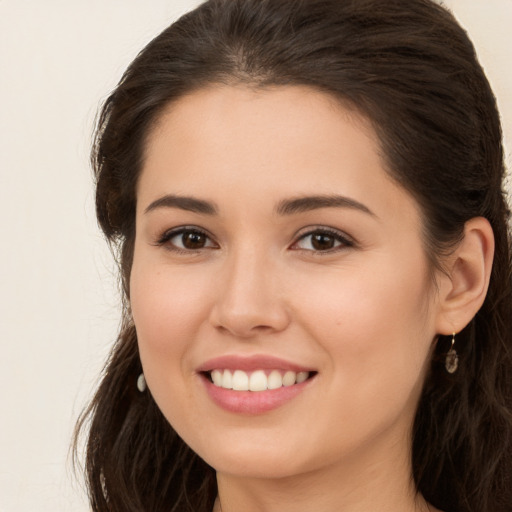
(249, 300)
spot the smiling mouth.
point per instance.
(259, 380)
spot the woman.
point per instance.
(306, 197)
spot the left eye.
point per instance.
(321, 241)
(190, 240)
(187, 239)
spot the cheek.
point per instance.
(375, 326)
(373, 331)
(168, 309)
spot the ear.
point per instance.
(463, 288)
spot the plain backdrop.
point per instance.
(59, 306)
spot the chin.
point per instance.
(257, 468)
(252, 460)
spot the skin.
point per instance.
(364, 314)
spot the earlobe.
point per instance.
(465, 285)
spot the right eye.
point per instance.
(186, 239)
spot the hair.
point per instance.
(408, 67)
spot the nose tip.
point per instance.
(249, 303)
(248, 317)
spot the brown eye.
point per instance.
(323, 240)
(186, 239)
(193, 240)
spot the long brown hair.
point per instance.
(412, 71)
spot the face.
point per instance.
(275, 256)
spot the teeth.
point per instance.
(227, 380)
(217, 377)
(240, 381)
(274, 380)
(302, 376)
(289, 379)
(257, 380)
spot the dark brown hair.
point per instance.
(411, 70)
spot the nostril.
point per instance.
(245, 315)
(241, 329)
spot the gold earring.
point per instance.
(451, 362)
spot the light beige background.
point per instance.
(58, 299)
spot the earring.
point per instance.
(451, 362)
(141, 383)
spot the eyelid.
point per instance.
(168, 234)
(345, 240)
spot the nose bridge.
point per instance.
(248, 299)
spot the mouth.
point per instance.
(256, 381)
(254, 384)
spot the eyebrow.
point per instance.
(190, 204)
(307, 203)
(284, 207)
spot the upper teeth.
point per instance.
(256, 381)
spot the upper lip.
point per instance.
(251, 363)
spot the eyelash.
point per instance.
(191, 230)
(340, 238)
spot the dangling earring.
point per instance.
(141, 383)
(451, 362)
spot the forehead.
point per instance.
(240, 111)
(266, 143)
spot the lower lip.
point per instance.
(253, 402)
